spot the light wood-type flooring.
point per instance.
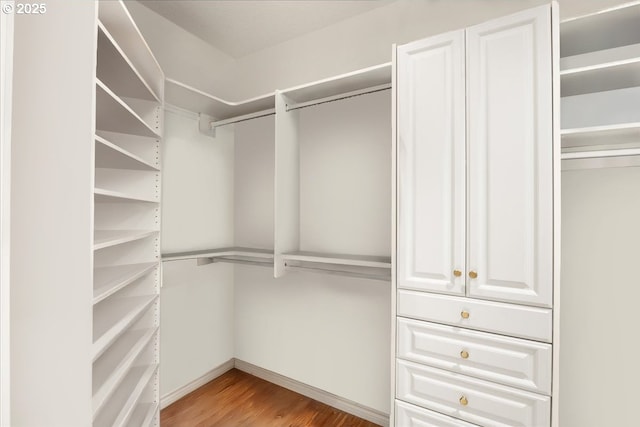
(237, 399)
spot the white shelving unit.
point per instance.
(285, 104)
(289, 255)
(600, 88)
(126, 278)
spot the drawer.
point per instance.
(470, 399)
(510, 361)
(408, 415)
(502, 318)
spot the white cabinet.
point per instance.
(490, 238)
(431, 153)
(509, 118)
(475, 187)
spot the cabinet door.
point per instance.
(510, 147)
(431, 150)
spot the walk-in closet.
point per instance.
(319, 213)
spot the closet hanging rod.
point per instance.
(243, 118)
(338, 272)
(339, 97)
(600, 154)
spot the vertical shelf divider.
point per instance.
(287, 184)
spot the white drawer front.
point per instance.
(470, 399)
(502, 318)
(506, 360)
(412, 416)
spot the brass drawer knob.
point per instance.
(457, 273)
(464, 314)
(464, 401)
(473, 274)
(464, 354)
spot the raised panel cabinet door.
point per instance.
(431, 164)
(510, 154)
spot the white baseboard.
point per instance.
(325, 397)
(181, 392)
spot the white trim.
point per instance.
(311, 392)
(181, 392)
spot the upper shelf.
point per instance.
(117, 71)
(191, 99)
(113, 114)
(118, 23)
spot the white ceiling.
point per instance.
(240, 27)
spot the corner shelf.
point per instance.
(363, 266)
(117, 71)
(235, 255)
(143, 415)
(120, 408)
(106, 238)
(189, 98)
(112, 320)
(109, 280)
(109, 155)
(113, 114)
(113, 366)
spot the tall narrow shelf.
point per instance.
(600, 87)
(127, 180)
(295, 248)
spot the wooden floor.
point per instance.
(237, 399)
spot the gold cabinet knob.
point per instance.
(473, 274)
(464, 401)
(464, 314)
(464, 354)
(457, 273)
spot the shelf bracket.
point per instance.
(204, 125)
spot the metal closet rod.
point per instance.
(339, 97)
(272, 111)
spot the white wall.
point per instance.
(600, 290)
(51, 215)
(197, 213)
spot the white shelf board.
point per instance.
(618, 134)
(601, 161)
(111, 369)
(115, 69)
(115, 17)
(144, 414)
(109, 280)
(112, 318)
(121, 406)
(105, 238)
(191, 99)
(109, 155)
(600, 77)
(102, 195)
(266, 254)
(113, 114)
(358, 80)
(339, 259)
